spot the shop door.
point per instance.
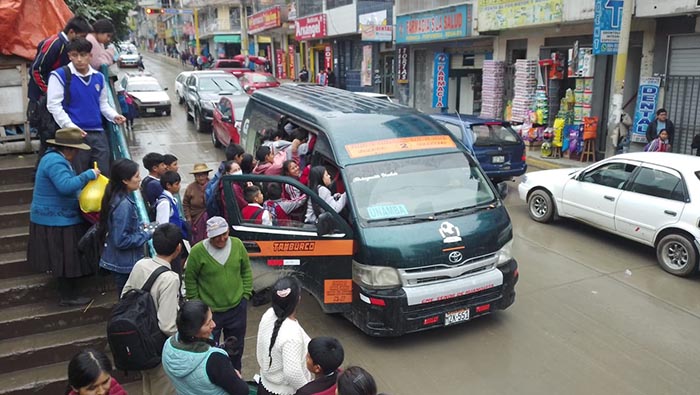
(682, 98)
(387, 85)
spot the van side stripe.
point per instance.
(294, 248)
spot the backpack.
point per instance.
(211, 196)
(41, 118)
(150, 208)
(133, 333)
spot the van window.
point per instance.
(259, 117)
(494, 134)
(412, 188)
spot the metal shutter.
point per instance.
(685, 55)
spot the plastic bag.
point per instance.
(91, 196)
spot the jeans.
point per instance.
(119, 282)
(233, 323)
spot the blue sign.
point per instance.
(441, 74)
(443, 24)
(607, 22)
(645, 112)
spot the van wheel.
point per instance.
(540, 206)
(214, 140)
(677, 254)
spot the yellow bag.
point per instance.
(91, 196)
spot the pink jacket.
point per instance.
(100, 55)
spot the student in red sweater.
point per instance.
(90, 373)
(325, 356)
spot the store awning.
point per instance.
(228, 38)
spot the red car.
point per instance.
(232, 66)
(228, 113)
(254, 81)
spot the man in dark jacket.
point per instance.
(660, 123)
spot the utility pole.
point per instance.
(621, 64)
(196, 32)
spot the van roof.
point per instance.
(360, 129)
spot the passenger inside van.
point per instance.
(319, 181)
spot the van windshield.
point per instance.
(417, 188)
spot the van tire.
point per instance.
(677, 254)
(540, 206)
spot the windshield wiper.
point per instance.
(472, 209)
(405, 218)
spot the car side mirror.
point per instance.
(325, 225)
(502, 188)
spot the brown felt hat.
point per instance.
(200, 168)
(69, 137)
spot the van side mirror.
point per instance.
(325, 225)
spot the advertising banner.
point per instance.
(279, 60)
(374, 27)
(263, 20)
(507, 14)
(402, 66)
(441, 24)
(311, 27)
(606, 26)
(366, 73)
(441, 74)
(647, 99)
(292, 56)
(328, 57)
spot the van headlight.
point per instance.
(505, 254)
(375, 277)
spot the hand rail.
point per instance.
(120, 149)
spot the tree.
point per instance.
(116, 10)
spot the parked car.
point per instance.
(129, 58)
(379, 96)
(180, 82)
(254, 81)
(229, 65)
(203, 91)
(227, 120)
(498, 148)
(149, 97)
(648, 197)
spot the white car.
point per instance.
(130, 59)
(180, 86)
(649, 197)
(373, 95)
(149, 97)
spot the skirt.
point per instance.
(199, 228)
(54, 249)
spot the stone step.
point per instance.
(13, 194)
(16, 169)
(14, 264)
(27, 289)
(27, 352)
(14, 239)
(48, 316)
(14, 215)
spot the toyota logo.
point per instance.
(455, 257)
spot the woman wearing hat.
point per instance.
(194, 202)
(56, 224)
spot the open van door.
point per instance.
(319, 255)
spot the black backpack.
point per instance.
(133, 333)
(150, 208)
(41, 118)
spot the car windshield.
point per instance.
(262, 78)
(413, 189)
(224, 83)
(143, 87)
(229, 64)
(494, 134)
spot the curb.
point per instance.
(549, 164)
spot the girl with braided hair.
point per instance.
(282, 342)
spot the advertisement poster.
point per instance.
(402, 66)
(607, 23)
(328, 57)
(280, 64)
(310, 27)
(507, 14)
(441, 73)
(292, 67)
(366, 73)
(647, 99)
(374, 27)
(442, 24)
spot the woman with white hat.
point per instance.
(56, 224)
(194, 202)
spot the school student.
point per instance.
(254, 212)
(325, 356)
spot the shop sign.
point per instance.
(366, 73)
(281, 73)
(441, 24)
(402, 66)
(647, 98)
(310, 27)
(328, 57)
(441, 74)
(606, 26)
(507, 14)
(263, 20)
(373, 26)
(292, 69)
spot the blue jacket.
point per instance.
(56, 190)
(125, 236)
(186, 366)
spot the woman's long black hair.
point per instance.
(190, 318)
(356, 381)
(121, 170)
(285, 299)
(315, 181)
(86, 367)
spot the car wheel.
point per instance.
(180, 100)
(540, 206)
(198, 122)
(214, 140)
(677, 254)
(187, 111)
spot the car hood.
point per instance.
(150, 96)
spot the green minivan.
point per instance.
(424, 240)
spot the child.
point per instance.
(166, 207)
(254, 211)
(280, 208)
(659, 144)
(171, 164)
(323, 360)
(150, 186)
(356, 381)
(127, 105)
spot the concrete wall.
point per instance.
(535, 38)
(578, 10)
(342, 20)
(651, 8)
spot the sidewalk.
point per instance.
(537, 162)
(167, 59)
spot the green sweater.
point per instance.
(221, 287)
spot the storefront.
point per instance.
(378, 64)
(316, 50)
(226, 46)
(271, 29)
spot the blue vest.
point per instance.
(193, 380)
(84, 106)
(175, 217)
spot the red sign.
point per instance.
(263, 20)
(311, 27)
(328, 57)
(280, 64)
(292, 70)
(402, 66)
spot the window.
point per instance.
(454, 129)
(658, 183)
(330, 4)
(219, 84)
(225, 108)
(612, 175)
(494, 134)
(259, 118)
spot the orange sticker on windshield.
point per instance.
(389, 146)
(337, 291)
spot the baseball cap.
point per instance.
(216, 226)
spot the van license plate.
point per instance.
(456, 316)
(150, 110)
(498, 159)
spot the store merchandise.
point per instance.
(492, 89)
(524, 88)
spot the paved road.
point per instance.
(594, 313)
